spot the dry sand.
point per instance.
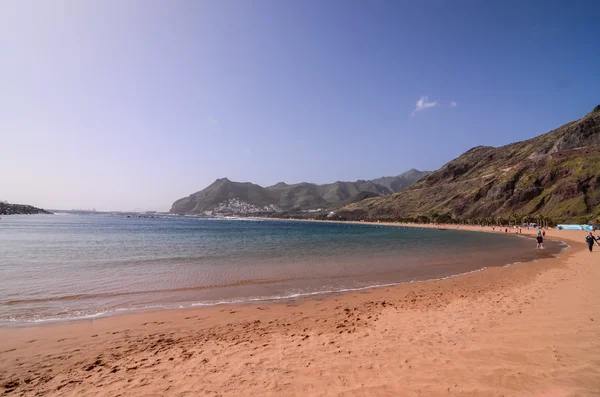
(530, 329)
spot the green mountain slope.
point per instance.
(556, 175)
(300, 195)
(340, 191)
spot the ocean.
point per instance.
(65, 267)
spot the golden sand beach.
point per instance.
(530, 329)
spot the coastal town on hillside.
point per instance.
(235, 206)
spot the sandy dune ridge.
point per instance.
(530, 329)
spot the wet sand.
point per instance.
(529, 329)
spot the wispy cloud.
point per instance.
(453, 104)
(212, 120)
(422, 104)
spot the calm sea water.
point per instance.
(63, 267)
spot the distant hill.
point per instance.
(397, 183)
(556, 175)
(20, 209)
(227, 197)
(221, 191)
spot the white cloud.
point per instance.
(422, 104)
(453, 104)
(212, 120)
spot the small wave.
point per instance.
(77, 315)
(74, 316)
(129, 293)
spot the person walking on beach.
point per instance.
(540, 241)
(590, 239)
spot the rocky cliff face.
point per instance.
(227, 197)
(19, 209)
(556, 174)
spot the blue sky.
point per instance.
(122, 105)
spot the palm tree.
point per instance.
(542, 220)
(546, 220)
(520, 218)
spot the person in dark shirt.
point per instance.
(540, 241)
(590, 240)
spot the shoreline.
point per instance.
(298, 297)
(503, 331)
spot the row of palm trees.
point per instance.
(514, 219)
(539, 219)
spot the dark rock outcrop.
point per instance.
(20, 209)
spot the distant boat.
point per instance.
(441, 228)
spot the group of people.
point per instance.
(541, 234)
(590, 240)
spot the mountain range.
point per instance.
(227, 197)
(555, 175)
